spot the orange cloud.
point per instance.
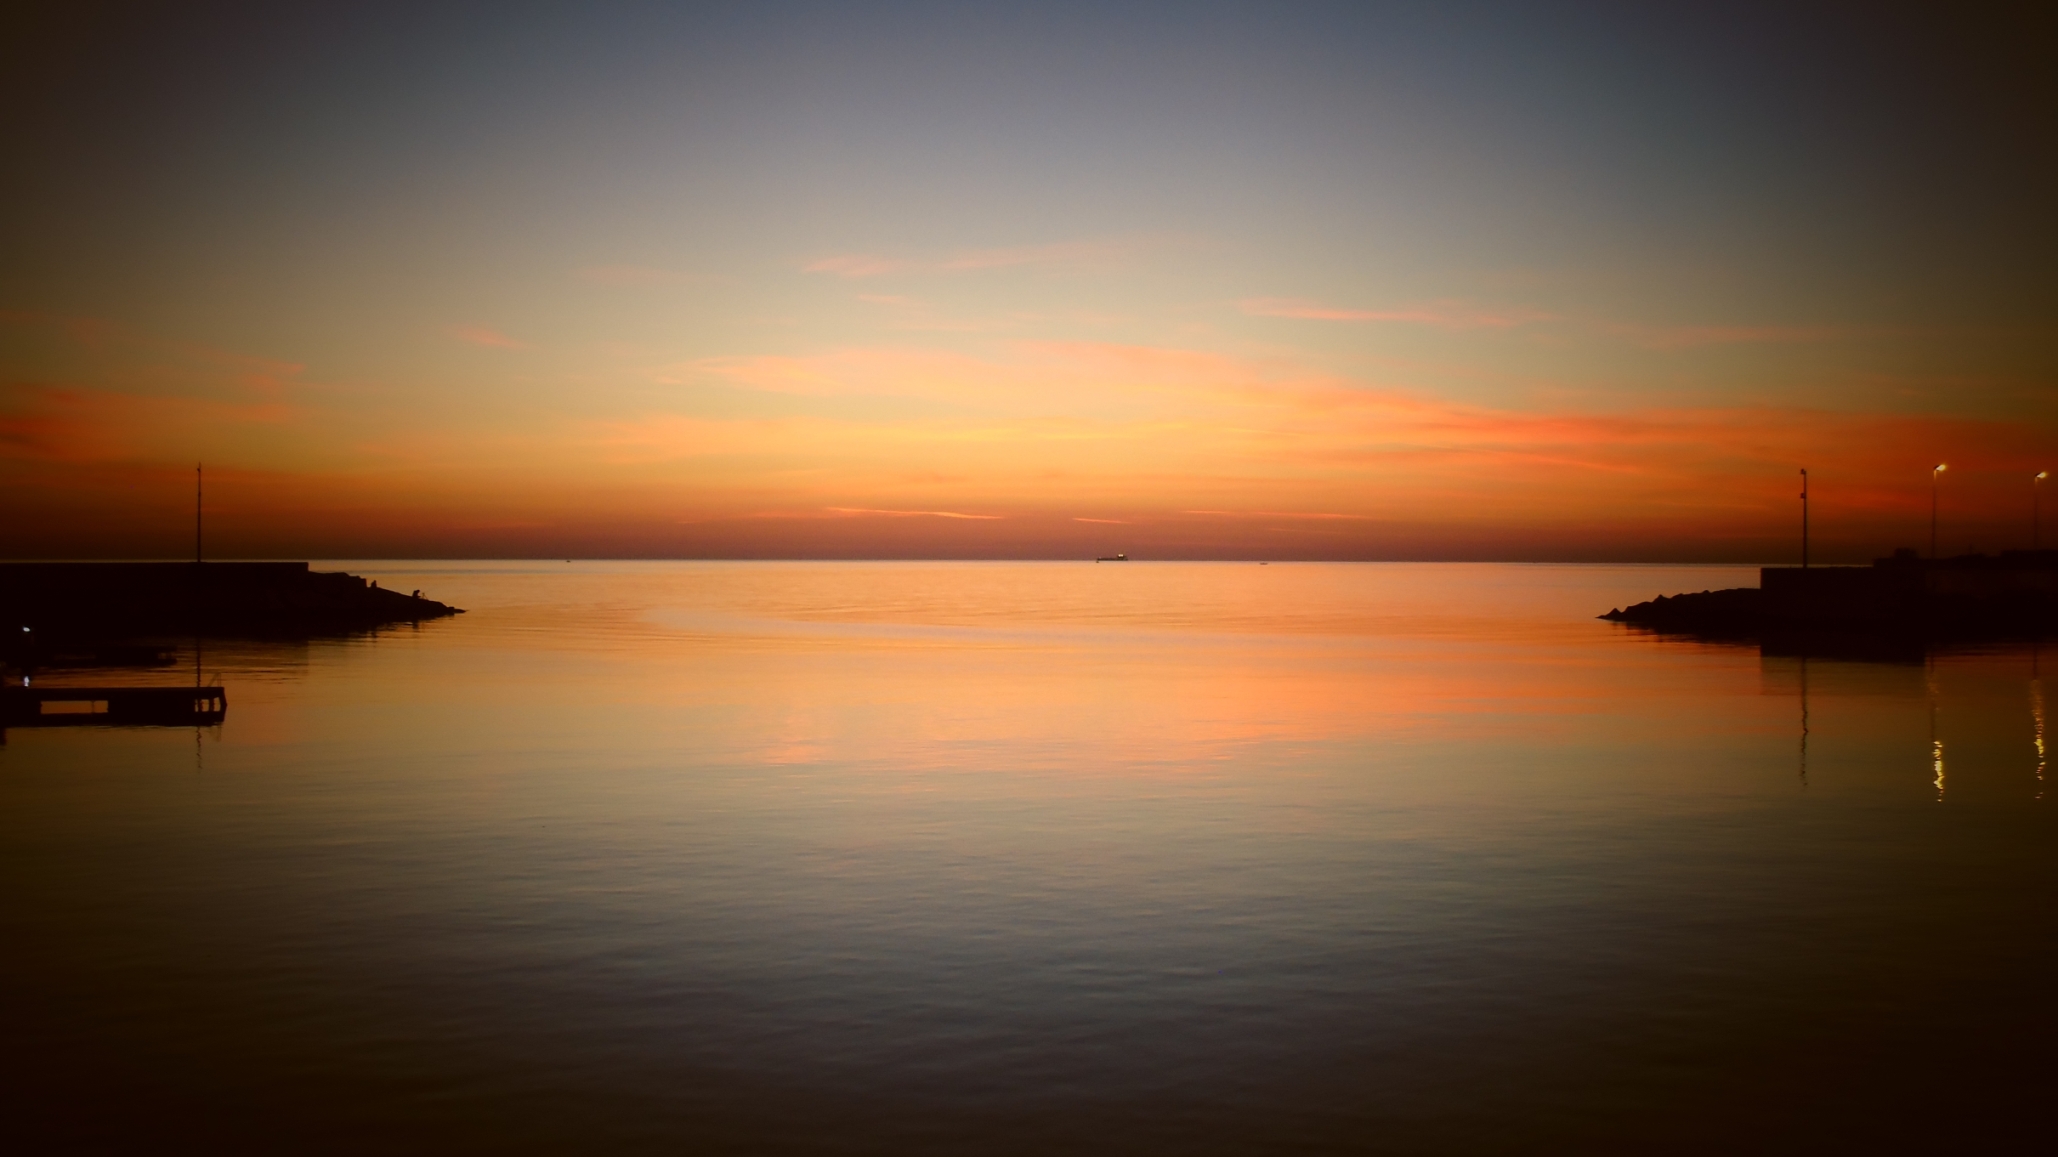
(1320, 515)
(1052, 425)
(85, 390)
(81, 426)
(861, 511)
(908, 450)
(487, 337)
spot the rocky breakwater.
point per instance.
(125, 600)
(1970, 597)
(1736, 611)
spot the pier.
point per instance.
(112, 706)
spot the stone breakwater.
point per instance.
(1971, 596)
(114, 600)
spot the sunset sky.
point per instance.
(1185, 280)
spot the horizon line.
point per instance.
(310, 558)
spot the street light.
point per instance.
(1804, 518)
(2036, 486)
(1934, 471)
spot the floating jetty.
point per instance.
(31, 706)
(128, 600)
(1971, 597)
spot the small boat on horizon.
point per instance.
(1114, 558)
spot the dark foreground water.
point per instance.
(1039, 858)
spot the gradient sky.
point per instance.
(1359, 281)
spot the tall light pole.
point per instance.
(1934, 471)
(2036, 487)
(196, 512)
(1804, 518)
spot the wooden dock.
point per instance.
(37, 706)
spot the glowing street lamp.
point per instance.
(2036, 486)
(1936, 470)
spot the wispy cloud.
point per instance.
(1074, 256)
(112, 356)
(1317, 515)
(1453, 315)
(862, 511)
(87, 390)
(1182, 435)
(1460, 315)
(630, 275)
(97, 426)
(1192, 446)
(1692, 336)
(916, 315)
(486, 337)
(857, 265)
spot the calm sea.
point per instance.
(1043, 858)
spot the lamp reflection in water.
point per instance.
(1936, 744)
(199, 763)
(2036, 715)
(1804, 721)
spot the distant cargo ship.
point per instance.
(1114, 558)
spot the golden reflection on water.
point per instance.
(2036, 711)
(1046, 837)
(1149, 670)
(1804, 721)
(1936, 743)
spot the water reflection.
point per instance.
(1966, 707)
(910, 857)
(2036, 711)
(1936, 743)
(1804, 721)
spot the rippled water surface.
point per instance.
(1039, 857)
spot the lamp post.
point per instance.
(1804, 518)
(1934, 471)
(2036, 487)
